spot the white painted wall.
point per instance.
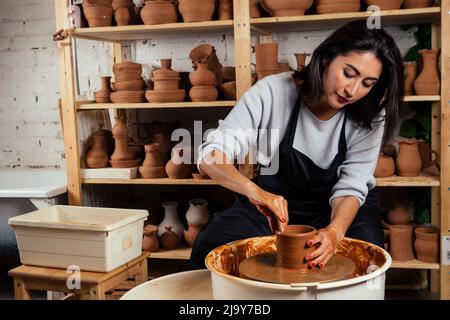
(30, 129)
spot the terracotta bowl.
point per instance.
(203, 93)
(128, 85)
(98, 16)
(165, 96)
(228, 89)
(128, 96)
(152, 172)
(125, 163)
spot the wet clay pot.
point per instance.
(332, 6)
(400, 244)
(171, 220)
(191, 233)
(385, 166)
(98, 16)
(169, 239)
(196, 10)
(97, 156)
(202, 76)
(427, 244)
(399, 214)
(291, 246)
(158, 12)
(282, 8)
(150, 241)
(198, 212)
(408, 161)
(226, 10)
(176, 168)
(410, 77)
(386, 4)
(428, 82)
(412, 4)
(203, 93)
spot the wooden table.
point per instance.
(92, 285)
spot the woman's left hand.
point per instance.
(327, 239)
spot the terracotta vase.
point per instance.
(191, 233)
(411, 4)
(122, 16)
(427, 244)
(98, 16)
(176, 168)
(202, 76)
(282, 8)
(255, 11)
(401, 247)
(169, 240)
(198, 212)
(171, 220)
(410, 77)
(332, 6)
(206, 53)
(97, 156)
(266, 56)
(399, 214)
(226, 10)
(385, 167)
(196, 10)
(428, 82)
(386, 4)
(150, 241)
(158, 12)
(153, 166)
(408, 161)
(291, 246)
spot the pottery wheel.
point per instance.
(263, 267)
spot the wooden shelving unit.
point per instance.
(241, 27)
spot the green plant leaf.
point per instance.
(412, 54)
(408, 128)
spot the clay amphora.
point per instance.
(150, 242)
(386, 4)
(411, 4)
(202, 76)
(198, 212)
(408, 161)
(427, 244)
(400, 245)
(191, 233)
(196, 10)
(385, 167)
(410, 77)
(399, 214)
(291, 246)
(176, 168)
(157, 12)
(282, 8)
(97, 156)
(226, 10)
(169, 240)
(428, 82)
(171, 220)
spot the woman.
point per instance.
(331, 131)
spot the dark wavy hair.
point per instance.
(387, 92)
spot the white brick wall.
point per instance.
(29, 81)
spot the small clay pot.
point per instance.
(169, 239)
(427, 244)
(429, 80)
(191, 233)
(399, 215)
(198, 213)
(282, 8)
(152, 156)
(291, 246)
(412, 4)
(408, 161)
(385, 167)
(97, 156)
(176, 168)
(400, 244)
(158, 12)
(196, 10)
(203, 93)
(386, 4)
(150, 242)
(98, 16)
(202, 76)
(410, 77)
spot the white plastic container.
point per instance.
(92, 239)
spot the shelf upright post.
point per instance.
(68, 105)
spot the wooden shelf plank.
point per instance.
(182, 253)
(422, 98)
(430, 178)
(141, 32)
(414, 264)
(91, 105)
(164, 181)
(334, 21)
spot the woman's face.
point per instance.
(349, 78)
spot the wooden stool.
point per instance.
(93, 285)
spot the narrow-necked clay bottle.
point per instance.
(171, 220)
(385, 167)
(428, 82)
(198, 212)
(408, 160)
(97, 156)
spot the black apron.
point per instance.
(307, 189)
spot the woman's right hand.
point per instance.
(273, 206)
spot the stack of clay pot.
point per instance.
(102, 96)
(333, 6)
(158, 12)
(150, 241)
(180, 165)
(203, 84)
(98, 13)
(428, 82)
(124, 12)
(206, 53)
(129, 84)
(153, 166)
(123, 156)
(197, 217)
(196, 10)
(282, 8)
(385, 4)
(170, 230)
(266, 59)
(166, 85)
(226, 10)
(101, 149)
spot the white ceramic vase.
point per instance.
(171, 220)
(198, 213)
